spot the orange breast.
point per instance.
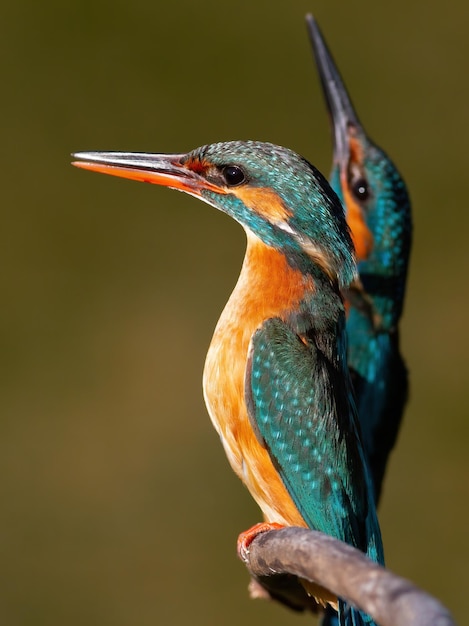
(267, 287)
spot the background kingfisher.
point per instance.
(276, 381)
(378, 212)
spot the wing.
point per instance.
(381, 384)
(299, 405)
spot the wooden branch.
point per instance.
(277, 557)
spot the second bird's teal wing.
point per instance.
(380, 381)
(301, 410)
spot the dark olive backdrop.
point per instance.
(118, 507)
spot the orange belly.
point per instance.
(267, 287)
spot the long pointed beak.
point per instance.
(169, 170)
(338, 101)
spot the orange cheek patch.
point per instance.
(361, 234)
(265, 202)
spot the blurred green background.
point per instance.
(118, 506)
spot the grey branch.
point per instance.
(276, 558)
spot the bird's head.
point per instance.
(273, 192)
(368, 183)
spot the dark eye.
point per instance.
(233, 175)
(360, 189)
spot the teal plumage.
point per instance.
(308, 425)
(276, 381)
(378, 210)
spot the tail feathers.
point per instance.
(347, 616)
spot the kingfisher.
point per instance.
(276, 381)
(378, 212)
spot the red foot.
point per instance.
(247, 537)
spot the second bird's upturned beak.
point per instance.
(344, 118)
(168, 170)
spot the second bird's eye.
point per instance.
(233, 175)
(360, 189)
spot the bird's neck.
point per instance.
(272, 285)
(268, 286)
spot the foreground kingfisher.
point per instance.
(378, 212)
(276, 381)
